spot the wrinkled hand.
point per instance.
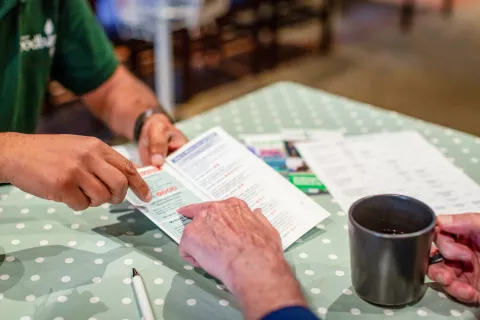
(458, 240)
(79, 171)
(158, 138)
(244, 251)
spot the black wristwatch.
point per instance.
(142, 118)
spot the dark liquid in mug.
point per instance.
(391, 231)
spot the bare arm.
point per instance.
(120, 100)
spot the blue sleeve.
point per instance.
(297, 313)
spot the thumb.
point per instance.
(158, 144)
(460, 224)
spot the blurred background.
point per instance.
(417, 57)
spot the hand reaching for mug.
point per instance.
(244, 251)
(458, 240)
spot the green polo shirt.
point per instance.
(43, 40)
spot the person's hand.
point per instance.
(244, 251)
(79, 171)
(458, 240)
(158, 138)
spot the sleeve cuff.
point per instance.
(300, 313)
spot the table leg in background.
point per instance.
(164, 73)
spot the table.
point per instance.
(60, 264)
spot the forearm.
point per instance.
(262, 289)
(7, 140)
(120, 100)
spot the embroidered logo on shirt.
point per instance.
(40, 41)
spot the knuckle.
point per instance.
(129, 168)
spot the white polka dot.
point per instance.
(1, 210)
(158, 281)
(78, 213)
(130, 220)
(25, 318)
(24, 211)
(92, 318)
(4, 277)
(339, 273)
(388, 312)
(443, 150)
(157, 263)
(422, 313)
(435, 141)
(72, 243)
(94, 300)
(320, 226)
(106, 205)
(303, 255)
(353, 114)
(442, 295)
(127, 280)
(347, 292)
(223, 303)
(309, 272)
(35, 277)
(359, 122)
(341, 213)
(187, 267)
(345, 226)
(128, 245)
(448, 132)
(75, 226)
(455, 313)
(332, 257)
(128, 262)
(239, 128)
(126, 300)
(1, 296)
(69, 260)
(15, 242)
(158, 302)
(104, 218)
(157, 249)
(157, 235)
(100, 243)
(28, 196)
(58, 318)
(189, 281)
(315, 290)
(43, 242)
(96, 280)
(333, 200)
(10, 259)
(30, 298)
(47, 227)
(130, 233)
(39, 260)
(260, 129)
(465, 150)
(355, 311)
(62, 299)
(20, 226)
(51, 210)
(98, 261)
(326, 241)
(474, 160)
(220, 287)
(66, 279)
(322, 311)
(191, 302)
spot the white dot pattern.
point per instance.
(319, 260)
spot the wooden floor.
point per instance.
(432, 73)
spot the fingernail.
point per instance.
(445, 220)
(157, 159)
(464, 293)
(440, 278)
(149, 196)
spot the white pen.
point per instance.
(142, 298)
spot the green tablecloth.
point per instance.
(60, 264)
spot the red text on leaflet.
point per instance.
(166, 191)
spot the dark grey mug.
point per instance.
(390, 240)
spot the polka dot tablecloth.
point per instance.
(59, 264)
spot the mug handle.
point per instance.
(436, 258)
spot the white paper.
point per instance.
(401, 163)
(221, 168)
(169, 193)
